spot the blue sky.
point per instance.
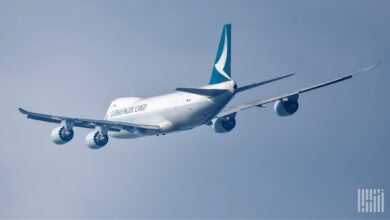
(73, 57)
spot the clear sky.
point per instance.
(73, 57)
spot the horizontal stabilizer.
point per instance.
(204, 92)
(240, 89)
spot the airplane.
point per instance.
(181, 110)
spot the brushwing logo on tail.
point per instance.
(221, 69)
(222, 60)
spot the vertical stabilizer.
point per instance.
(222, 70)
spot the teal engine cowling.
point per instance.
(286, 107)
(223, 125)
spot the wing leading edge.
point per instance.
(88, 123)
(262, 102)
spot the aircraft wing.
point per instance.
(88, 123)
(262, 102)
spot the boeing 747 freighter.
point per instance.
(181, 110)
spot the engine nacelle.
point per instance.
(286, 108)
(96, 139)
(223, 125)
(61, 135)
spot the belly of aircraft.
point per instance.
(174, 119)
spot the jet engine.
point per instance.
(287, 106)
(62, 135)
(96, 139)
(225, 124)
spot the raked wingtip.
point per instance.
(22, 111)
(367, 68)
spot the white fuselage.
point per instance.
(171, 112)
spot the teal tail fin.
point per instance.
(222, 70)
